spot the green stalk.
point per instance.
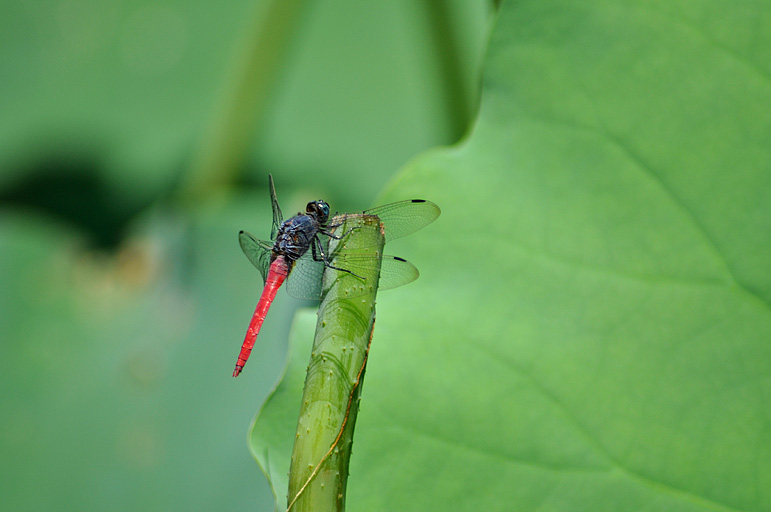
(322, 449)
(244, 97)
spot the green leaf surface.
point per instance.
(591, 330)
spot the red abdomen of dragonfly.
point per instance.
(279, 270)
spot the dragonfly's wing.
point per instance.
(257, 251)
(277, 217)
(400, 219)
(394, 271)
(304, 282)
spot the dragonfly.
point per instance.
(297, 253)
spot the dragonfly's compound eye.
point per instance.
(323, 212)
(320, 209)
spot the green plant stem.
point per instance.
(322, 449)
(256, 68)
(458, 97)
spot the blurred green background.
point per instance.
(591, 328)
(135, 141)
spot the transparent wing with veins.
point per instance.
(401, 218)
(277, 217)
(257, 251)
(305, 279)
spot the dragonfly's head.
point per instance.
(319, 210)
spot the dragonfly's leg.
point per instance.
(336, 237)
(325, 231)
(317, 242)
(313, 249)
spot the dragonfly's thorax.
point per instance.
(295, 236)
